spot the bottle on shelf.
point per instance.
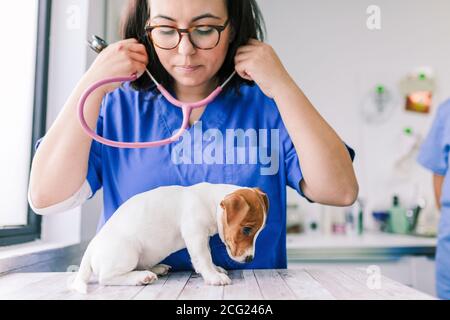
(398, 220)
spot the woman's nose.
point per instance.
(186, 47)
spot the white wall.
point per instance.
(113, 15)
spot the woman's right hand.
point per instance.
(120, 59)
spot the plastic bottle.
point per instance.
(398, 220)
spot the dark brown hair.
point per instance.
(245, 20)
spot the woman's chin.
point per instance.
(189, 81)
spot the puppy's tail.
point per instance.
(84, 273)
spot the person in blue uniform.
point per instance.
(433, 155)
(286, 141)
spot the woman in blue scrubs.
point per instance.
(434, 156)
(261, 131)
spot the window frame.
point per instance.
(32, 230)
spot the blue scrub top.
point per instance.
(433, 155)
(128, 115)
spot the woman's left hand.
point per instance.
(258, 61)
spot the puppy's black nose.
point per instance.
(248, 259)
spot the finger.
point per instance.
(245, 48)
(140, 69)
(138, 57)
(243, 57)
(245, 76)
(241, 70)
(129, 65)
(137, 47)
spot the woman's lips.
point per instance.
(187, 69)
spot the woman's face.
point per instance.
(184, 14)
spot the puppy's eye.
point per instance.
(246, 231)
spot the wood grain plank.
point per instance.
(341, 286)
(95, 291)
(109, 293)
(243, 287)
(54, 286)
(314, 283)
(272, 286)
(15, 282)
(37, 290)
(304, 286)
(389, 289)
(167, 288)
(196, 289)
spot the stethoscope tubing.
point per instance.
(98, 44)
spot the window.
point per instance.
(25, 29)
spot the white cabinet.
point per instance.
(414, 271)
(406, 259)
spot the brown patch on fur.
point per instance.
(243, 208)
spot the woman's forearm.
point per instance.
(327, 168)
(60, 164)
(437, 186)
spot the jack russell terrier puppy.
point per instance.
(150, 226)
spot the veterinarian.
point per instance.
(433, 155)
(69, 167)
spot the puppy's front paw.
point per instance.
(217, 279)
(149, 277)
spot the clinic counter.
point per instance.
(366, 247)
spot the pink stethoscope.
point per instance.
(98, 44)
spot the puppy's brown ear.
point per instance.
(265, 198)
(235, 206)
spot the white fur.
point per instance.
(149, 227)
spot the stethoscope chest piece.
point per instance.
(97, 44)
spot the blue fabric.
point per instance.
(131, 116)
(433, 155)
(443, 256)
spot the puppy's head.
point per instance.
(244, 216)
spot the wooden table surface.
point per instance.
(321, 283)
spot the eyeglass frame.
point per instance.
(220, 28)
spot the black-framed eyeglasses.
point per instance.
(204, 37)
